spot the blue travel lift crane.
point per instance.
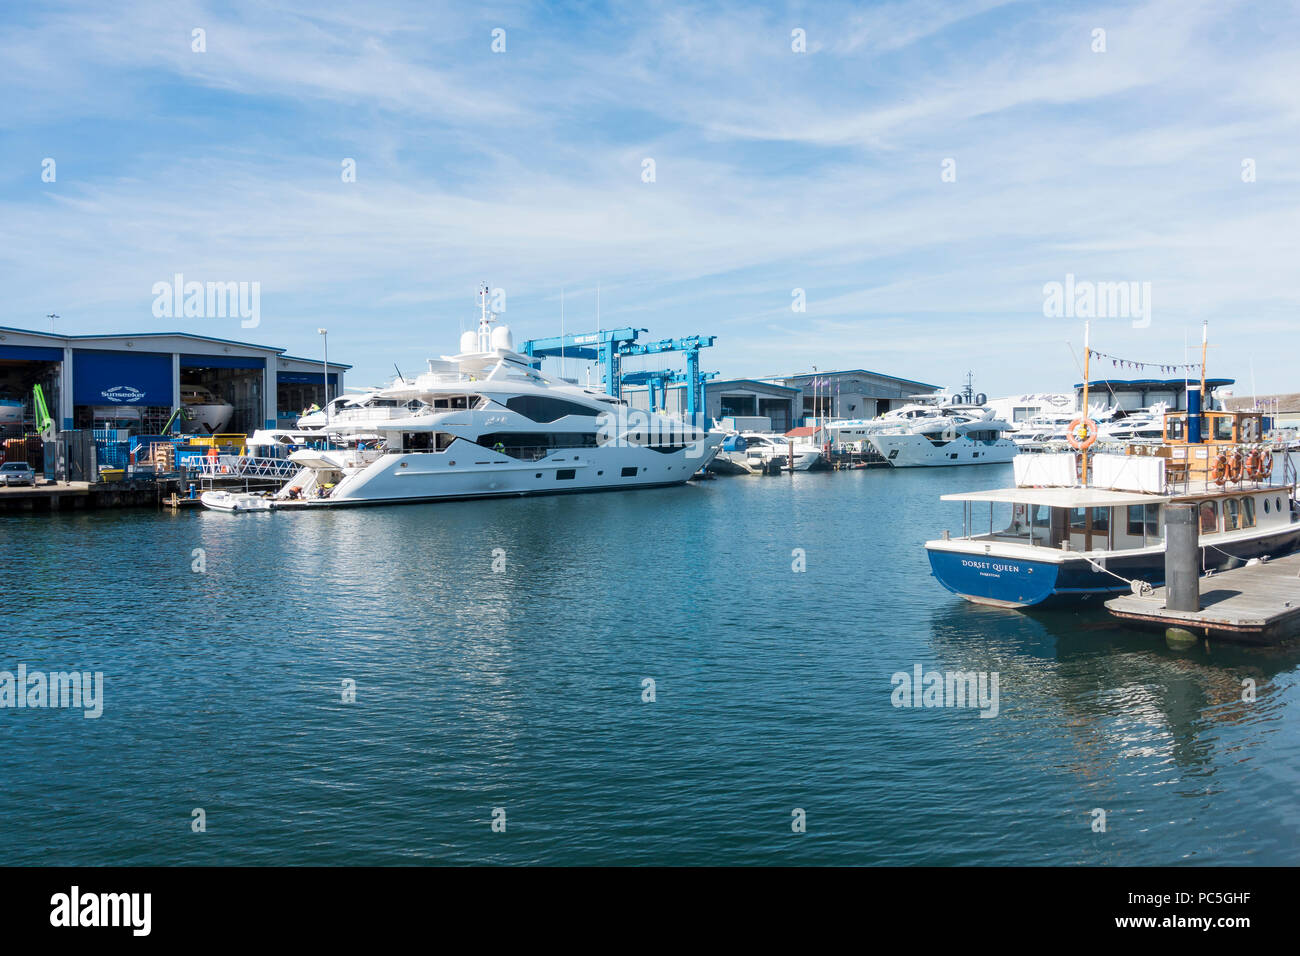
(609, 347)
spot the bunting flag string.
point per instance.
(1165, 367)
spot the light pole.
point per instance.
(51, 317)
(325, 368)
(814, 385)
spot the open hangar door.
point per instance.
(223, 393)
(296, 392)
(21, 367)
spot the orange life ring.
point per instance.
(1234, 466)
(1082, 433)
(1219, 468)
(1253, 465)
(1265, 464)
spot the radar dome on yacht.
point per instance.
(469, 341)
(502, 338)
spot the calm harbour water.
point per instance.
(523, 690)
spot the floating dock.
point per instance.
(1254, 604)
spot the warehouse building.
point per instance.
(789, 402)
(136, 381)
(854, 394)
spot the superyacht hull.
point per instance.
(918, 451)
(467, 471)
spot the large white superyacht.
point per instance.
(485, 423)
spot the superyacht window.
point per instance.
(541, 408)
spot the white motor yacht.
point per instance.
(205, 409)
(486, 423)
(960, 435)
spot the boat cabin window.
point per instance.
(1100, 520)
(1231, 514)
(1247, 513)
(1223, 428)
(1144, 521)
(1176, 427)
(1209, 511)
(456, 401)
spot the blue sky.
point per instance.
(774, 170)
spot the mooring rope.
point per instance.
(1137, 586)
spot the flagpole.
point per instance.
(1087, 363)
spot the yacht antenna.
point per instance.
(1205, 334)
(485, 321)
(562, 365)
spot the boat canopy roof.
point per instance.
(1062, 497)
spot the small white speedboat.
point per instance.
(235, 501)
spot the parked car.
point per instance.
(17, 473)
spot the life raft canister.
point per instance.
(1082, 434)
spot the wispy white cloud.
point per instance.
(774, 170)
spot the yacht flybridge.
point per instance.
(484, 423)
(1079, 526)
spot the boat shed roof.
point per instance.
(1061, 497)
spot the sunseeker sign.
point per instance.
(123, 394)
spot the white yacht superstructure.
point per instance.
(486, 423)
(961, 435)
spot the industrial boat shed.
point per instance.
(93, 381)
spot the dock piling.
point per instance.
(1182, 567)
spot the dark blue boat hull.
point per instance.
(1015, 582)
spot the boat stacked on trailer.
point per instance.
(484, 423)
